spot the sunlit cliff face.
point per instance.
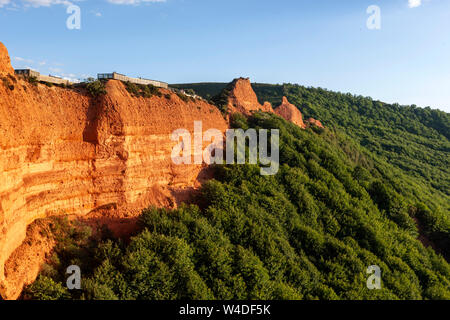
(64, 152)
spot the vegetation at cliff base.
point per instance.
(309, 232)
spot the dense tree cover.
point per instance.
(411, 138)
(415, 140)
(309, 232)
(412, 143)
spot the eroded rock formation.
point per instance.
(5, 62)
(243, 99)
(314, 122)
(290, 112)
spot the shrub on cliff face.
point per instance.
(96, 88)
(154, 90)
(183, 97)
(33, 80)
(141, 90)
(8, 83)
(132, 88)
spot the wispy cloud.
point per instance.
(414, 3)
(56, 70)
(38, 65)
(133, 2)
(44, 69)
(48, 3)
(23, 60)
(9, 4)
(4, 3)
(96, 13)
(45, 3)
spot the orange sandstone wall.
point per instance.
(63, 152)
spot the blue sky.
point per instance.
(320, 43)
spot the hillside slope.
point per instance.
(355, 193)
(414, 140)
(309, 232)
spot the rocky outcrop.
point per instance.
(63, 152)
(290, 112)
(5, 61)
(267, 107)
(242, 98)
(314, 122)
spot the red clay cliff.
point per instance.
(5, 62)
(64, 152)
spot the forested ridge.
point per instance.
(416, 140)
(310, 232)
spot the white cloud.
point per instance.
(4, 3)
(46, 67)
(45, 3)
(56, 70)
(71, 77)
(96, 13)
(414, 3)
(48, 3)
(33, 3)
(133, 2)
(23, 60)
